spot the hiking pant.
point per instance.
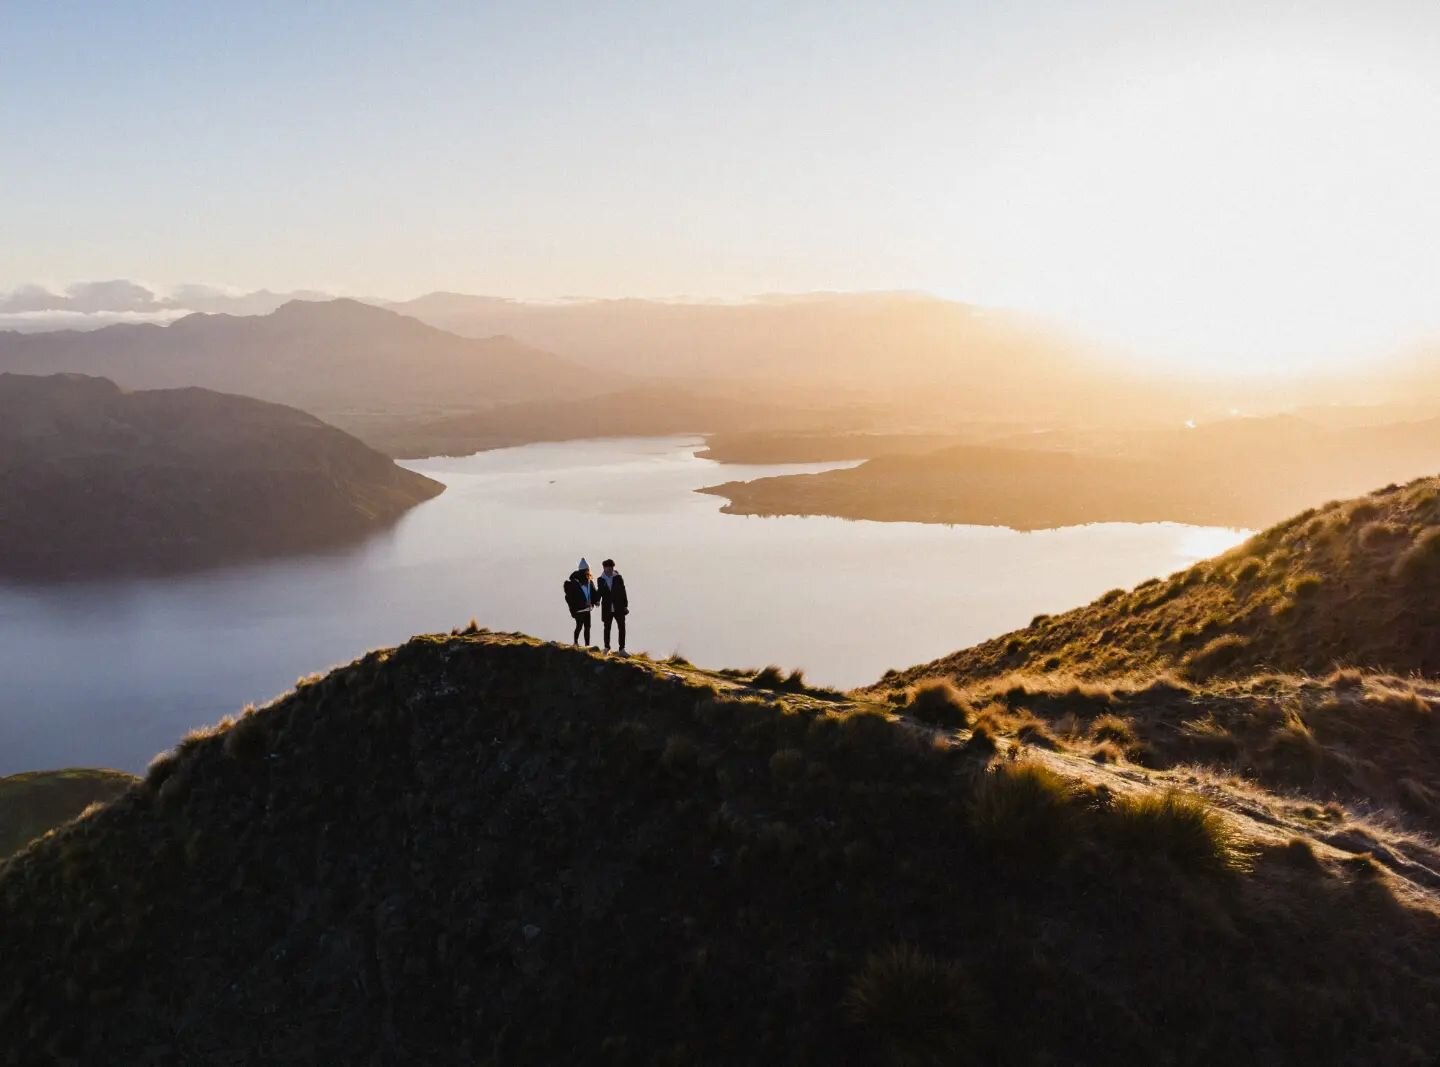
(619, 621)
(582, 622)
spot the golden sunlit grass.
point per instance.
(1297, 596)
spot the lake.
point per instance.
(108, 673)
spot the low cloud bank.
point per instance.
(91, 305)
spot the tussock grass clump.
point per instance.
(1406, 701)
(1164, 687)
(1422, 558)
(1248, 571)
(248, 738)
(1300, 853)
(1362, 511)
(771, 677)
(917, 1009)
(1107, 752)
(1293, 753)
(1112, 728)
(162, 766)
(774, 678)
(1215, 655)
(1024, 810)
(1379, 534)
(938, 702)
(1179, 827)
(198, 736)
(1345, 678)
(1031, 730)
(982, 739)
(1363, 865)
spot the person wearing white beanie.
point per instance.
(580, 596)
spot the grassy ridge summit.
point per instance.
(477, 848)
(1352, 583)
(96, 480)
(37, 801)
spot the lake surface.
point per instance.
(109, 673)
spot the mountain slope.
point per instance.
(324, 356)
(35, 802)
(482, 849)
(97, 480)
(1355, 582)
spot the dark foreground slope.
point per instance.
(478, 849)
(1355, 583)
(96, 480)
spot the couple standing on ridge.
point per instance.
(582, 594)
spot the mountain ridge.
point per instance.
(328, 356)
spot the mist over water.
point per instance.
(109, 673)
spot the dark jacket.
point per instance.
(575, 593)
(613, 598)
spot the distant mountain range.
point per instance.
(456, 372)
(95, 480)
(328, 357)
(867, 345)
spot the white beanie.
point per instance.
(583, 565)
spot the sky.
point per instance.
(1214, 185)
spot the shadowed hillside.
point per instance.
(482, 849)
(96, 480)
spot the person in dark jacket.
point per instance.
(614, 602)
(580, 596)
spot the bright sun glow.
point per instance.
(1273, 211)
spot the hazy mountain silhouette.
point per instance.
(328, 357)
(96, 480)
(868, 345)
